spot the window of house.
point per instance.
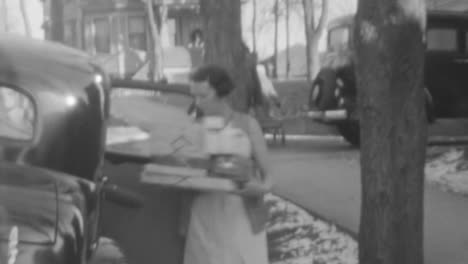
(442, 39)
(137, 32)
(102, 40)
(338, 38)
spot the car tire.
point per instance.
(322, 93)
(350, 131)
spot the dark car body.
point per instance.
(51, 183)
(333, 96)
(52, 74)
(52, 212)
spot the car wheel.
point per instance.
(350, 131)
(322, 94)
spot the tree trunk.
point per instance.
(254, 27)
(390, 59)
(314, 55)
(308, 18)
(162, 12)
(224, 47)
(275, 56)
(4, 14)
(24, 14)
(288, 55)
(57, 22)
(162, 17)
(155, 67)
(313, 35)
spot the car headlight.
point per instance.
(17, 114)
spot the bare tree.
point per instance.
(57, 23)
(288, 55)
(390, 60)
(254, 26)
(155, 69)
(275, 56)
(5, 16)
(224, 47)
(314, 32)
(24, 14)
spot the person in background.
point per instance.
(229, 228)
(196, 39)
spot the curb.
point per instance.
(339, 227)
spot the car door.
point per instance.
(447, 66)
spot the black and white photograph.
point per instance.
(233, 131)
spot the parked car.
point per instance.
(53, 112)
(332, 98)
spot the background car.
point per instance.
(333, 95)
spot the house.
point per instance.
(116, 32)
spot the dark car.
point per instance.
(53, 113)
(333, 95)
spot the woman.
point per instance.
(229, 228)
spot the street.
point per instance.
(322, 175)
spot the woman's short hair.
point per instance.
(216, 76)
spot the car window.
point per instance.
(338, 38)
(442, 39)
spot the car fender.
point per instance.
(321, 93)
(429, 103)
(107, 252)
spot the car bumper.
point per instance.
(328, 116)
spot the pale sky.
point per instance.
(14, 19)
(265, 30)
(265, 24)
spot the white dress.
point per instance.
(219, 231)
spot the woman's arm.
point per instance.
(261, 157)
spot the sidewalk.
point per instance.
(327, 181)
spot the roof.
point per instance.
(347, 19)
(27, 62)
(297, 60)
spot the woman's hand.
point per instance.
(254, 188)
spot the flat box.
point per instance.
(185, 178)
